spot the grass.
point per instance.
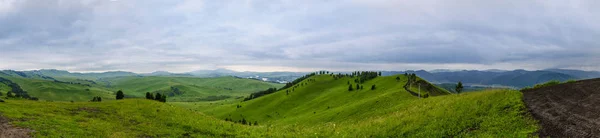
(192, 89)
(323, 108)
(56, 91)
(126, 118)
(388, 111)
(547, 84)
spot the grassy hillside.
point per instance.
(70, 88)
(127, 118)
(498, 113)
(60, 91)
(326, 105)
(189, 88)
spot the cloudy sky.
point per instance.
(298, 35)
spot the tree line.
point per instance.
(298, 80)
(242, 121)
(260, 94)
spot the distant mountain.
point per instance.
(62, 73)
(165, 73)
(577, 73)
(280, 77)
(515, 78)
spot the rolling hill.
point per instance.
(189, 88)
(76, 88)
(515, 78)
(326, 105)
(319, 106)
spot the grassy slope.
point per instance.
(495, 113)
(193, 88)
(387, 111)
(127, 118)
(55, 91)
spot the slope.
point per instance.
(124, 118)
(327, 105)
(189, 89)
(388, 111)
(60, 91)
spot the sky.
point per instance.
(298, 35)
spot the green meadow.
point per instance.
(320, 106)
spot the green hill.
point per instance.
(189, 88)
(178, 88)
(326, 105)
(319, 106)
(125, 118)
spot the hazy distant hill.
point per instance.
(515, 78)
(265, 76)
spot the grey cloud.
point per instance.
(184, 35)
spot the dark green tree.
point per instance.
(163, 98)
(255, 123)
(0, 93)
(99, 99)
(10, 94)
(120, 95)
(357, 87)
(373, 87)
(157, 97)
(459, 87)
(398, 78)
(380, 73)
(350, 88)
(149, 96)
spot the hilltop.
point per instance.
(324, 103)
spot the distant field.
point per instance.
(56, 91)
(177, 88)
(190, 88)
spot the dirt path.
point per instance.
(566, 110)
(9, 131)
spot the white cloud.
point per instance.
(185, 35)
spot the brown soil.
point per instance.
(9, 131)
(566, 110)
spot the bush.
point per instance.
(149, 96)
(120, 95)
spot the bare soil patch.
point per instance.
(9, 131)
(566, 110)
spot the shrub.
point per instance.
(149, 96)
(120, 95)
